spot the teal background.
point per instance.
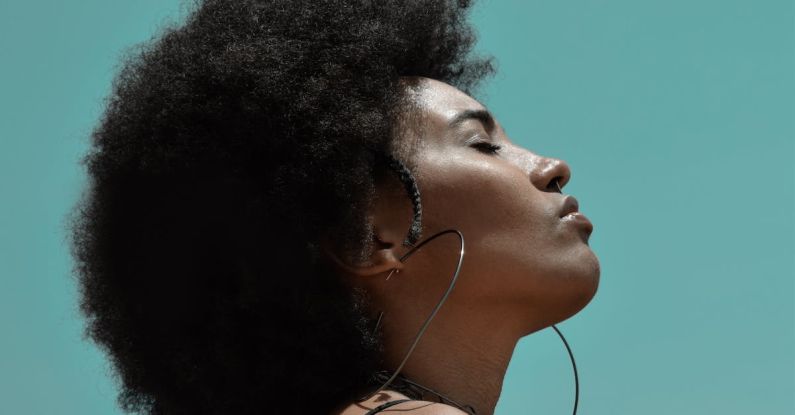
(677, 118)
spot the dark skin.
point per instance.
(525, 267)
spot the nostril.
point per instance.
(554, 185)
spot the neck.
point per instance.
(465, 363)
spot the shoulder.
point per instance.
(410, 407)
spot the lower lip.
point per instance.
(579, 219)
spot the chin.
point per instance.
(563, 290)
(583, 288)
(577, 283)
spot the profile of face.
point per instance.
(527, 265)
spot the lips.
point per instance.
(569, 212)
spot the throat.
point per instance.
(472, 384)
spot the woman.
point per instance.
(261, 182)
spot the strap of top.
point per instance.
(386, 405)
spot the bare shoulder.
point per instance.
(428, 408)
(440, 409)
(409, 407)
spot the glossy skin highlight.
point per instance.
(525, 267)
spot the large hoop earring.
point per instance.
(433, 313)
(466, 408)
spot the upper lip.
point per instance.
(570, 205)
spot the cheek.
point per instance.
(484, 195)
(493, 203)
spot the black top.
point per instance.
(386, 405)
(410, 389)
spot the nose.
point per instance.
(550, 174)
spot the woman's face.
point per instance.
(521, 252)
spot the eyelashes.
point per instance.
(487, 147)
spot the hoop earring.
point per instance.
(433, 313)
(467, 408)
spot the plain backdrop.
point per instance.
(677, 118)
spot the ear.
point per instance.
(383, 258)
(390, 215)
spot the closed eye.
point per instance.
(487, 147)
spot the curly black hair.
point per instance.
(230, 146)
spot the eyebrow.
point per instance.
(483, 116)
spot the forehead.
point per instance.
(441, 102)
